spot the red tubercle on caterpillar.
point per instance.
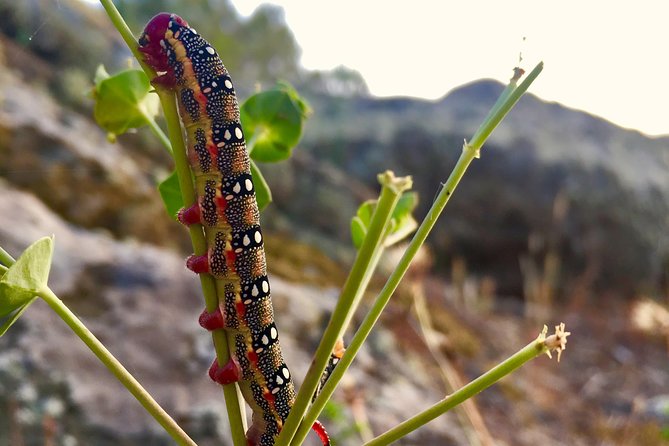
(252, 356)
(221, 205)
(269, 397)
(213, 154)
(230, 258)
(240, 308)
(190, 215)
(212, 321)
(228, 374)
(198, 264)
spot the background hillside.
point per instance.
(563, 218)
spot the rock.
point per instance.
(66, 160)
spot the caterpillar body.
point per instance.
(227, 209)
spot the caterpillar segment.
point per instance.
(227, 209)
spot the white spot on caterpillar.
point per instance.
(275, 390)
(206, 90)
(177, 34)
(279, 380)
(247, 302)
(228, 84)
(238, 132)
(264, 340)
(193, 31)
(237, 187)
(260, 350)
(210, 50)
(214, 84)
(257, 236)
(221, 144)
(273, 333)
(200, 52)
(249, 184)
(286, 373)
(170, 23)
(265, 286)
(254, 291)
(246, 241)
(229, 197)
(335, 361)
(238, 250)
(227, 135)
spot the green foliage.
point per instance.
(273, 122)
(402, 222)
(263, 193)
(23, 280)
(170, 192)
(122, 101)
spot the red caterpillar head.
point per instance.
(151, 42)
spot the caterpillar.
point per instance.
(227, 209)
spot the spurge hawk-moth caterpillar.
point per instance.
(226, 207)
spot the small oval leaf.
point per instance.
(123, 101)
(263, 193)
(25, 278)
(273, 121)
(170, 192)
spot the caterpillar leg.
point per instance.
(198, 264)
(228, 374)
(190, 216)
(212, 321)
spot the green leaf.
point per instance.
(170, 192)
(100, 75)
(263, 193)
(402, 222)
(123, 101)
(406, 205)
(358, 231)
(13, 317)
(273, 121)
(25, 278)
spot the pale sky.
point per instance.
(609, 58)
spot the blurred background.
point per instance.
(563, 219)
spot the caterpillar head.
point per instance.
(151, 43)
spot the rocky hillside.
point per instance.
(550, 181)
(563, 218)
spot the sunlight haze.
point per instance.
(606, 58)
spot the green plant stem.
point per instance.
(158, 132)
(233, 397)
(529, 352)
(359, 276)
(470, 151)
(125, 32)
(120, 372)
(5, 258)
(219, 337)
